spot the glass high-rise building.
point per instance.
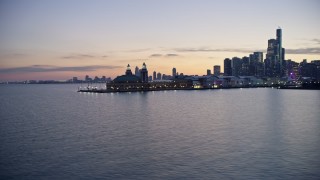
(154, 75)
(174, 72)
(227, 67)
(216, 70)
(159, 76)
(208, 72)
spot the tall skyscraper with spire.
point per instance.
(281, 52)
(274, 63)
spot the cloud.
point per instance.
(49, 68)
(78, 56)
(155, 55)
(215, 50)
(317, 41)
(315, 50)
(171, 55)
(82, 56)
(165, 55)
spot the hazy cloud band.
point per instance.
(165, 55)
(213, 50)
(48, 68)
(303, 51)
(315, 50)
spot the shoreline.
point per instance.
(188, 89)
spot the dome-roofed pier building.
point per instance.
(128, 77)
(129, 82)
(126, 82)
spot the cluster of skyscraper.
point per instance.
(246, 66)
(273, 66)
(254, 65)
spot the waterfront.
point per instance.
(53, 132)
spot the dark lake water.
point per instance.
(53, 132)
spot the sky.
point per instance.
(44, 39)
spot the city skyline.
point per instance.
(59, 40)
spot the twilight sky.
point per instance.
(44, 39)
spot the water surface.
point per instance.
(53, 132)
